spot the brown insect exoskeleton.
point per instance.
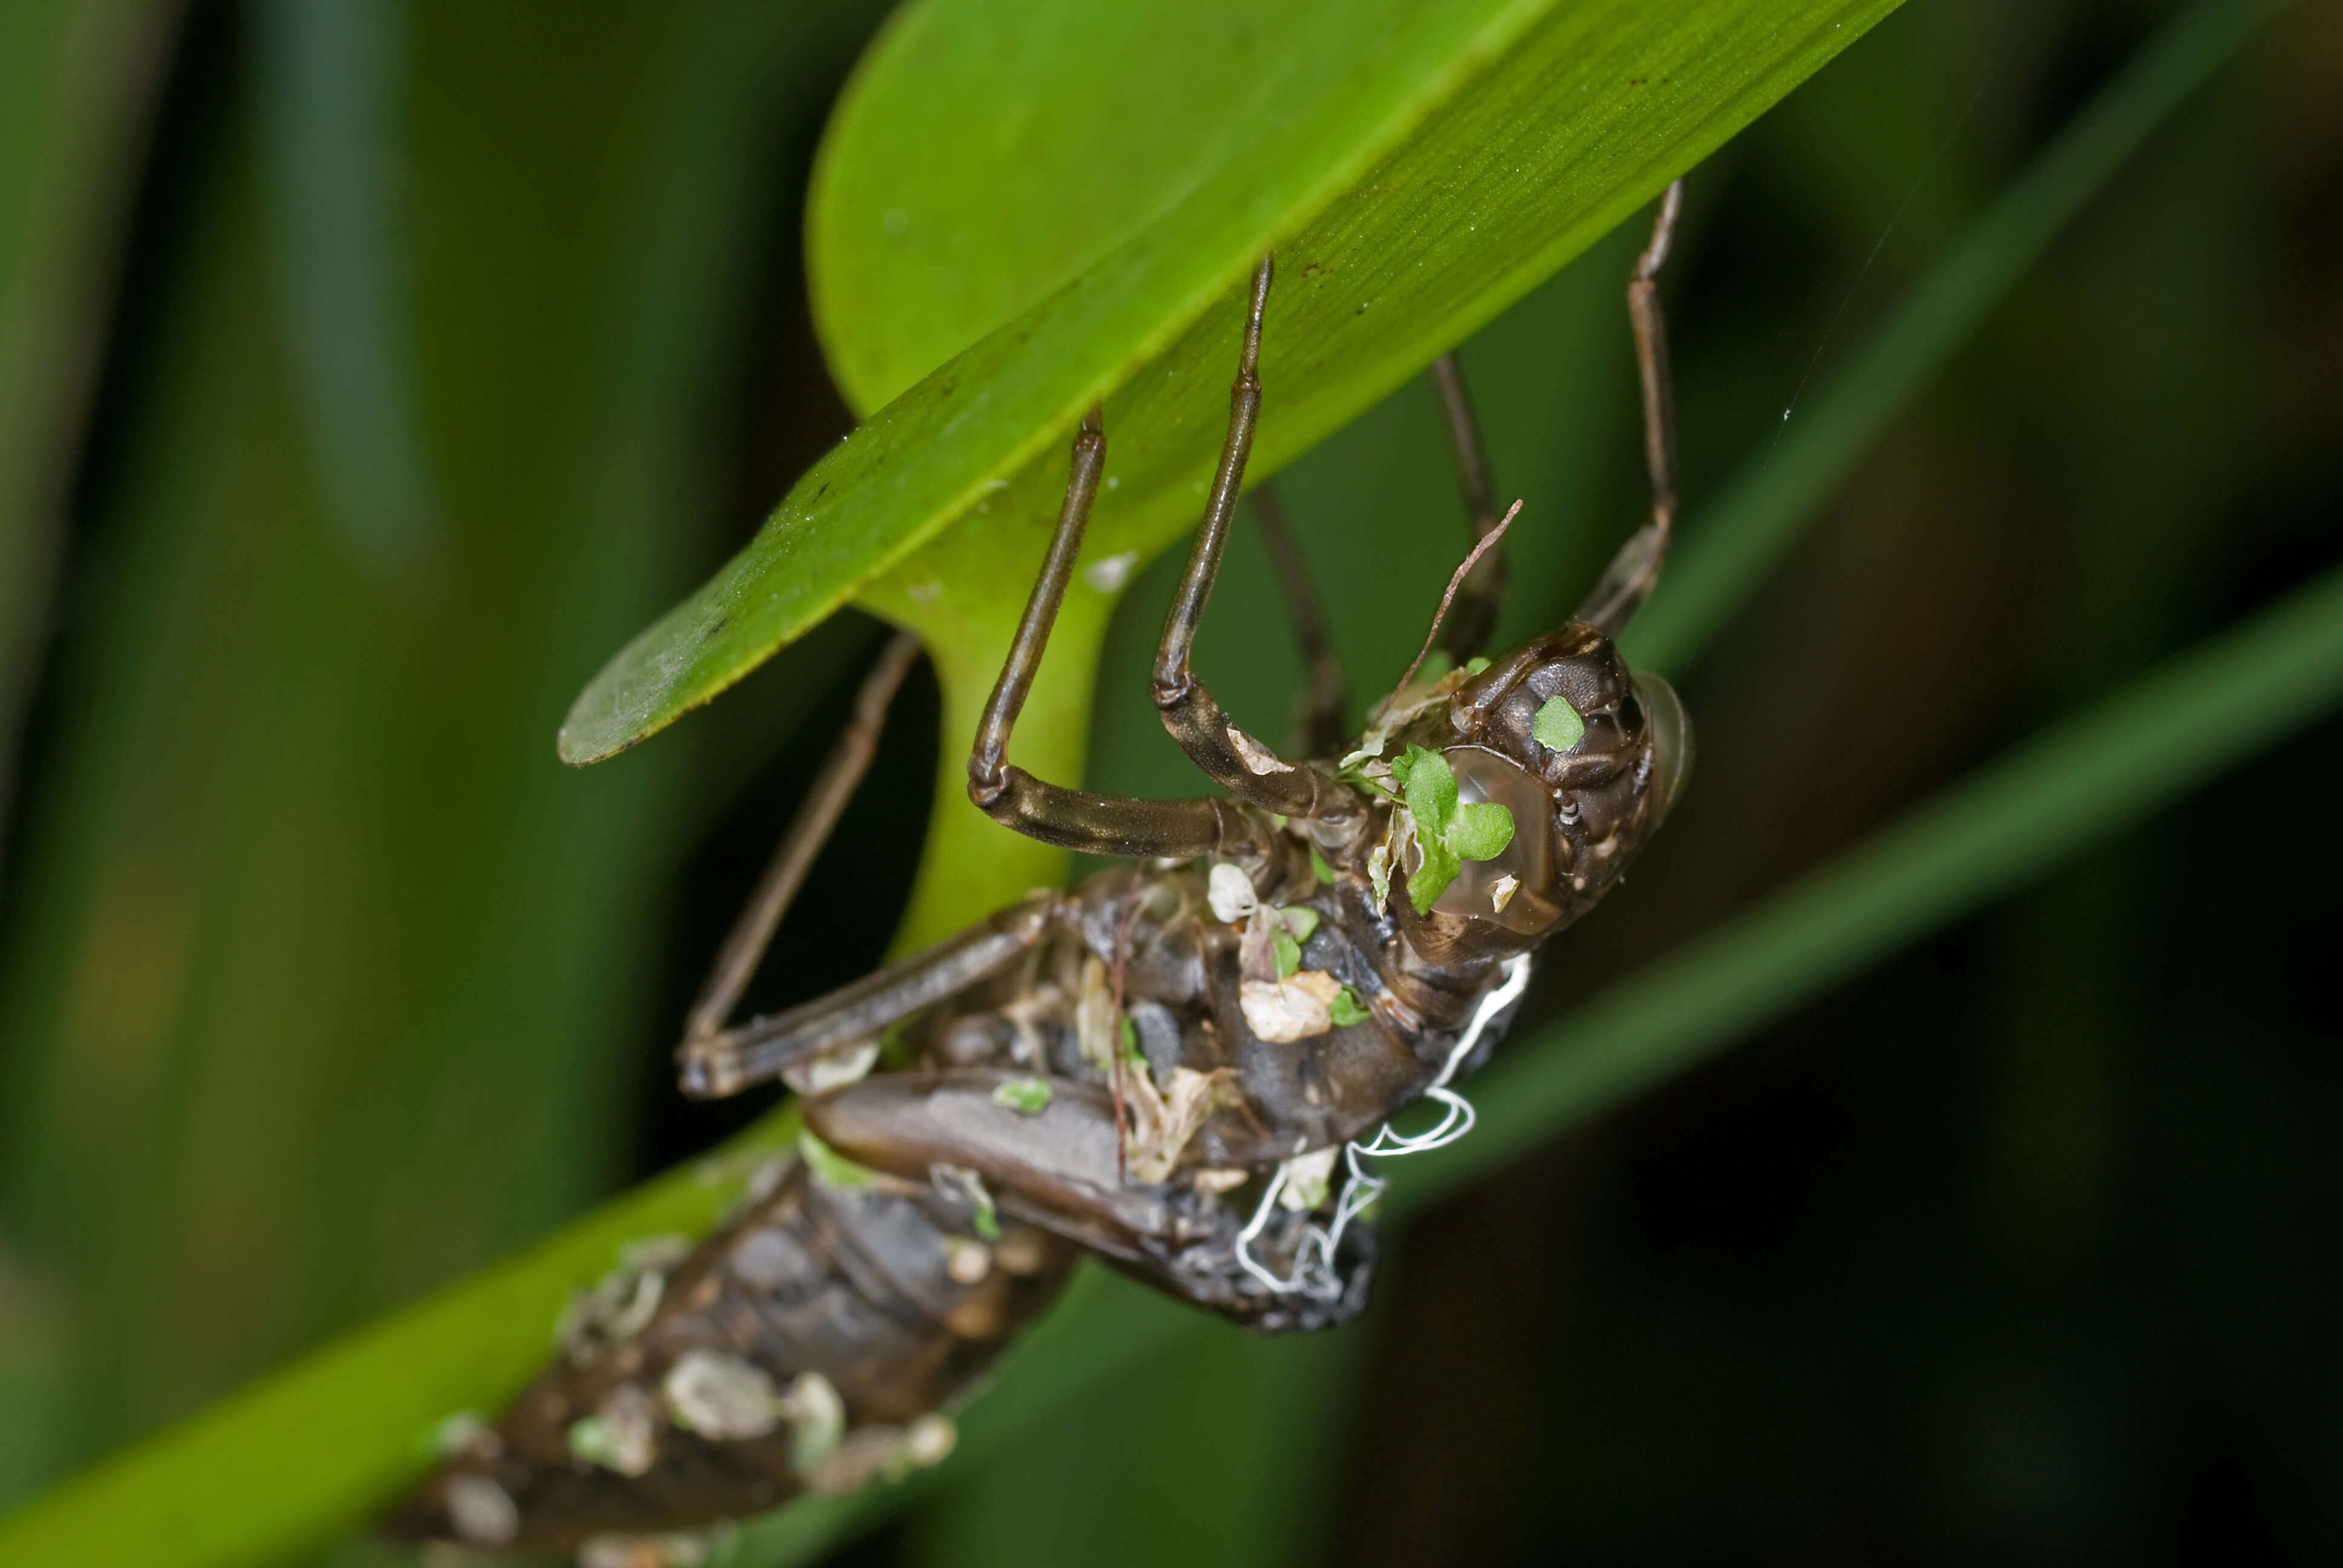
(1182, 1065)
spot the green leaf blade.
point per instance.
(1446, 178)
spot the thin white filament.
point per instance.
(1314, 1273)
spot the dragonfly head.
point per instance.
(1586, 756)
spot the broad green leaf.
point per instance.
(1416, 172)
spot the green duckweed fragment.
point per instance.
(1318, 865)
(1479, 830)
(1345, 1009)
(1286, 951)
(1428, 785)
(1429, 880)
(590, 1439)
(1557, 725)
(831, 1168)
(1288, 929)
(1025, 1096)
(1447, 833)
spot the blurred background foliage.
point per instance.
(370, 370)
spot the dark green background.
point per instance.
(321, 981)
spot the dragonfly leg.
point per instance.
(1077, 818)
(1055, 1166)
(730, 1061)
(841, 771)
(1231, 757)
(1628, 580)
(1318, 706)
(1474, 615)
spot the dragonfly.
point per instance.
(1185, 1065)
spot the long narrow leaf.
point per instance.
(293, 1459)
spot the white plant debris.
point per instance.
(1230, 893)
(622, 1435)
(1109, 573)
(966, 1263)
(817, 1418)
(1095, 1030)
(645, 1551)
(834, 1068)
(1295, 1008)
(658, 1253)
(622, 1303)
(887, 1452)
(465, 1435)
(930, 1439)
(482, 1511)
(857, 1461)
(1258, 759)
(1158, 1122)
(1503, 893)
(721, 1397)
(1307, 1177)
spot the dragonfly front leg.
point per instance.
(1194, 718)
(1052, 813)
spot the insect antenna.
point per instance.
(1488, 542)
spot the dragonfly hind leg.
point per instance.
(1473, 616)
(1319, 705)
